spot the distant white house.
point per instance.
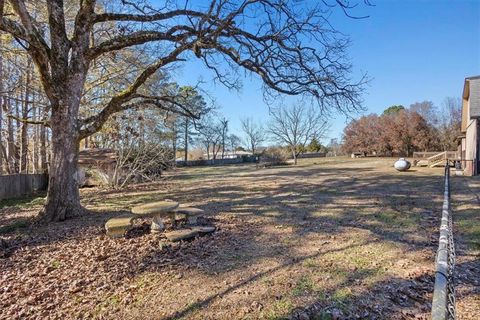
(229, 154)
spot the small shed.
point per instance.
(96, 166)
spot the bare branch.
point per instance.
(104, 17)
(45, 123)
(137, 38)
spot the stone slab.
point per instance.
(189, 211)
(181, 234)
(155, 208)
(204, 229)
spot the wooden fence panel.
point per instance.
(18, 185)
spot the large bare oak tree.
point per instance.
(290, 45)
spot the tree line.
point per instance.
(296, 128)
(24, 137)
(401, 131)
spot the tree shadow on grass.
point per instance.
(205, 302)
(291, 202)
(396, 208)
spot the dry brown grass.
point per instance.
(350, 237)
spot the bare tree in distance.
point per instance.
(450, 121)
(263, 37)
(223, 132)
(335, 147)
(427, 110)
(254, 134)
(207, 135)
(295, 126)
(234, 141)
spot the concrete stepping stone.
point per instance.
(184, 234)
(204, 229)
(181, 234)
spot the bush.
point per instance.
(274, 156)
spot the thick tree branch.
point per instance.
(37, 46)
(137, 38)
(32, 35)
(104, 17)
(117, 103)
(167, 104)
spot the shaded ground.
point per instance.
(345, 238)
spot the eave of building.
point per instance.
(465, 98)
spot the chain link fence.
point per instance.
(443, 304)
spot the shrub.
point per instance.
(274, 156)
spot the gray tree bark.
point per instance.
(24, 125)
(2, 148)
(186, 140)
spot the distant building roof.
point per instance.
(471, 93)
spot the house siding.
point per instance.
(471, 147)
(474, 98)
(470, 144)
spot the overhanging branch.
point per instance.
(45, 123)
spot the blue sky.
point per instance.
(413, 51)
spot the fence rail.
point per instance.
(447, 154)
(216, 162)
(443, 304)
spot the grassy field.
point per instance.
(329, 238)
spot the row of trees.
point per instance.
(25, 134)
(400, 130)
(297, 128)
(23, 146)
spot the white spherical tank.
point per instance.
(402, 164)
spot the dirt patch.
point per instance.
(345, 238)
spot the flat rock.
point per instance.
(155, 208)
(189, 211)
(184, 234)
(204, 229)
(181, 234)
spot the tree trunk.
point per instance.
(186, 140)
(174, 143)
(63, 199)
(43, 149)
(1, 114)
(223, 146)
(24, 130)
(35, 144)
(294, 156)
(11, 150)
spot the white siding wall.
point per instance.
(474, 98)
(471, 145)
